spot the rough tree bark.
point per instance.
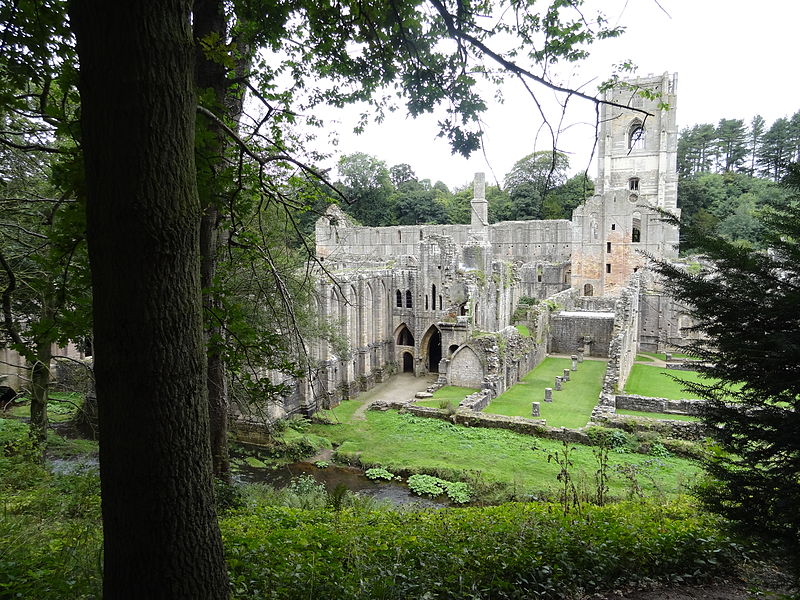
(161, 538)
(225, 99)
(209, 20)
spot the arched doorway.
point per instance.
(588, 290)
(434, 350)
(408, 362)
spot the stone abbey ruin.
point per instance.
(445, 299)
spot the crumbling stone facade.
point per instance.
(440, 298)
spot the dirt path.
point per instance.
(402, 386)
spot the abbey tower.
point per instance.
(637, 177)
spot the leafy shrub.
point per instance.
(512, 551)
(659, 450)
(322, 464)
(379, 473)
(427, 485)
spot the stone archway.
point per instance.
(408, 362)
(432, 349)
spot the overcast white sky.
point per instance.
(734, 59)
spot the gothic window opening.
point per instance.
(433, 296)
(633, 184)
(404, 338)
(588, 290)
(399, 299)
(409, 303)
(440, 302)
(539, 274)
(462, 310)
(636, 135)
(426, 301)
(636, 228)
(608, 247)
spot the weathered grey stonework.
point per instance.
(440, 298)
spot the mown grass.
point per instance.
(658, 382)
(523, 330)
(672, 417)
(571, 407)
(452, 394)
(489, 457)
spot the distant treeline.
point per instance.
(733, 146)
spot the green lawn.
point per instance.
(523, 330)
(405, 443)
(639, 413)
(571, 407)
(448, 393)
(648, 380)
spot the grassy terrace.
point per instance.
(649, 380)
(571, 407)
(488, 457)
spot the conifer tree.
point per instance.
(745, 305)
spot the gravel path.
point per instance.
(402, 385)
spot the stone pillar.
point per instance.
(559, 380)
(548, 394)
(667, 356)
(534, 409)
(480, 208)
(574, 358)
(580, 356)
(566, 375)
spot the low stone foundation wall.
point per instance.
(658, 405)
(682, 430)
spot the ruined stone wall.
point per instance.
(659, 405)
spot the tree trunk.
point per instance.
(161, 538)
(40, 391)
(208, 19)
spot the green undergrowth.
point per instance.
(50, 535)
(61, 407)
(571, 406)
(510, 551)
(447, 396)
(650, 415)
(497, 463)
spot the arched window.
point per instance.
(633, 184)
(636, 228)
(433, 296)
(588, 290)
(441, 306)
(408, 299)
(426, 301)
(399, 298)
(404, 337)
(636, 135)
